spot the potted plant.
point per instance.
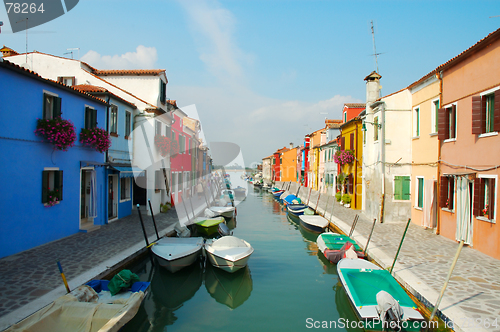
(486, 211)
(95, 137)
(346, 198)
(59, 132)
(338, 196)
(165, 207)
(163, 144)
(343, 157)
(53, 196)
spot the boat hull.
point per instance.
(176, 256)
(315, 223)
(296, 209)
(226, 264)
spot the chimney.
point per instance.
(291, 146)
(372, 87)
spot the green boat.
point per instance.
(377, 298)
(208, 226)
(334, 241)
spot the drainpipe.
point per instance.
(438, 189)
(355, 168)
(382, 209)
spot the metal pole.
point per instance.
(369, 237)
(185, 209)
(355, 221)
(326, 207)
(400, 244)
(310, 189)
(205, 194)
(154, 221)
(142, 224)
(192, 209)
(317, 202)
(447, 280)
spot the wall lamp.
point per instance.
(363, 127)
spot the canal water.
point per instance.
(287, 285)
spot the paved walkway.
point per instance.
(472, 299)
(30, 280)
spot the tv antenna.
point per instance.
(71, 52)
(25, 19)
(375, 54)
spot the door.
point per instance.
(463, 210)
(140, 192)
(112, 196)
(88, 196)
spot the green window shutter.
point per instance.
(58, 183)
(94, 118)
(398, 188)
(56, 113)
(45, 186)
(406, 195)
(420, 193)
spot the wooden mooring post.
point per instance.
(400, 244)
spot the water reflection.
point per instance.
(328, 266)
(344, 308)
(230, 289)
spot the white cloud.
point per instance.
(143, 58)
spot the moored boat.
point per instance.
(175, 253)
(314, 223)
(377, 298)
(224, 211)
(228, 253)
(334, 247)
(208, 226)
(87, 308)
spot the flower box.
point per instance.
(96, 138)
(59, 132)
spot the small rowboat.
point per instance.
(225, 211)
(334, 246)
(314, 223)
(377, 298)
(228, 253)
(208, 226)
(175, 253)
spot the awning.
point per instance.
(129, 171)
(85, 163)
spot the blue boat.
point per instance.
(278, 193)
(296, 209)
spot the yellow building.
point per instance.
(314, 159)
(424, 174)
(289, 165)
(350, 157)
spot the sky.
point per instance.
(263, 74)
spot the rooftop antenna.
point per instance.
(374, 48)
(73, 49)
(25, 19)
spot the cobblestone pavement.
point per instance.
(472, 298)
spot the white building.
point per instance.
(387, 153)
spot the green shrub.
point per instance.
(338, 196)
(346, 198)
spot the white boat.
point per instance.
(228, 253)
(314, 223)
(87, 308)
(376, 296)
(174, 253)
(225, 211)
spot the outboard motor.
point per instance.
(389, 310)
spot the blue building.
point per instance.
(119, 170)
(35, 171)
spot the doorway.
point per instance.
(463, 209)
(112, 196)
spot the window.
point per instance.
(163, 92)
(447, 192)
(52, 186)
(484, 197)
(113, 121)
(351, 141)
(416, 122)
(345, 117)
(484, 117)
(66, 80)
(124, 188)
(174, 181)
(447, 123)
(157, 128)
(180, 181)
(128, 124)
(168, 131)
(182, 143)
(435, 116)
(375, 129)
(159, 180)
(420, 192)
(90, 118)
(51, 106)
(402, 188)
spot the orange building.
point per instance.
(289, 165)
(468, 132)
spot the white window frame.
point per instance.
(456, 123)
(434, 119)
(416, 119)
(488, 92)
(490, 176)
(417, 192)
(127, 189)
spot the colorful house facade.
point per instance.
(36, 171)
(468, 127)
(426, 94)
(289, 164)
(350, 157)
